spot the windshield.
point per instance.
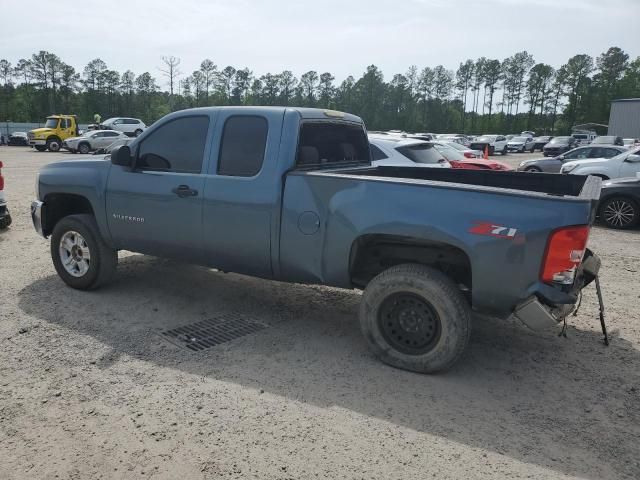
(421, 153)
(560, 140)
(51, 123)
(605, 139)
(519, 139)
(580, 136)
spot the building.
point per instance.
(624, 119)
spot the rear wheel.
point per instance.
(415, 318)
(620, 213)
(79, 254)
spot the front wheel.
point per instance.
(79, 254)
(620, 213)
(533, 170)
(83, 148)
(415, 318)
(504, 151)
(53, 145)
(137, 132)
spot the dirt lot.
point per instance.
(88, 389)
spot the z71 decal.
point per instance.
(487, 228)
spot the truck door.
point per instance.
(156, 207)
(242, 191)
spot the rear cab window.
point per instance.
(324, 144)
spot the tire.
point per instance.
(620, 213)
(40, 148)
(137, 132)
(533, 170)
(84, 148)
(437, 336)
(103, 260)
(491, 150)
(5, 222)
(504, 151)
(53, 144)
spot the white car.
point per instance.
(92, 140)
(391, 150)
(493, 143)
(520, 144)
(131, 126)
(627, 164)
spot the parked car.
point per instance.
(18, 139)
(528, 133)
(394, 150)
(626, 164)
(5, 216)
(131, 126)
(631, 142)
(552, 165)
(466, 151)
(558, 146)
(92, 140)
(494, 144)
(455, 137)
(107, 150)
(426, 245)
(608, 140)
(458, 160)
(520, 144)
(540, 142)
(619, 205)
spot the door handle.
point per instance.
(184, 191)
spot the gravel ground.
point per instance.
(88, 389)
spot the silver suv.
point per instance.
(131, 126)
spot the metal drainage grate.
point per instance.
(214, 331)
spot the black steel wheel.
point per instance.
(409, 323)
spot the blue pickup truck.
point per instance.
(290, 194)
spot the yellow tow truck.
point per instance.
(56, 129)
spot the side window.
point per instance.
(111, 134)
(377, 153)
(176, 146)
(578, 153)
(244, 141)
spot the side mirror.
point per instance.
(633, 158)
(560, 157)
(122, 156)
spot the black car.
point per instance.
(559, 145)
(620, 203)
(18, 139)
(539, 143)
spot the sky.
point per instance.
(341, 37)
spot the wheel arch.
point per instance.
(60, 205)
(371, 254)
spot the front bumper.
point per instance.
(548, 306)
(36, 216)
(37, 142)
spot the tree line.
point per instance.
(482, 95)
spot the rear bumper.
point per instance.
(36, 216)
(548, 305)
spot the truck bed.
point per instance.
(585, 188)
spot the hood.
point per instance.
(587, 161)
(82, 162)
(515, 143)
(73, 139)
(40, 131)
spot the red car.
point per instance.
(458, 160)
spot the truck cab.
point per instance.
(56, 129)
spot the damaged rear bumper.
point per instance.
(548, 306)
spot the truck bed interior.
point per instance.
(552, 184)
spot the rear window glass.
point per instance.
(332, 143)
(425, 153)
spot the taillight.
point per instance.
(1, 178)
(469, 155)
(565, 250)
